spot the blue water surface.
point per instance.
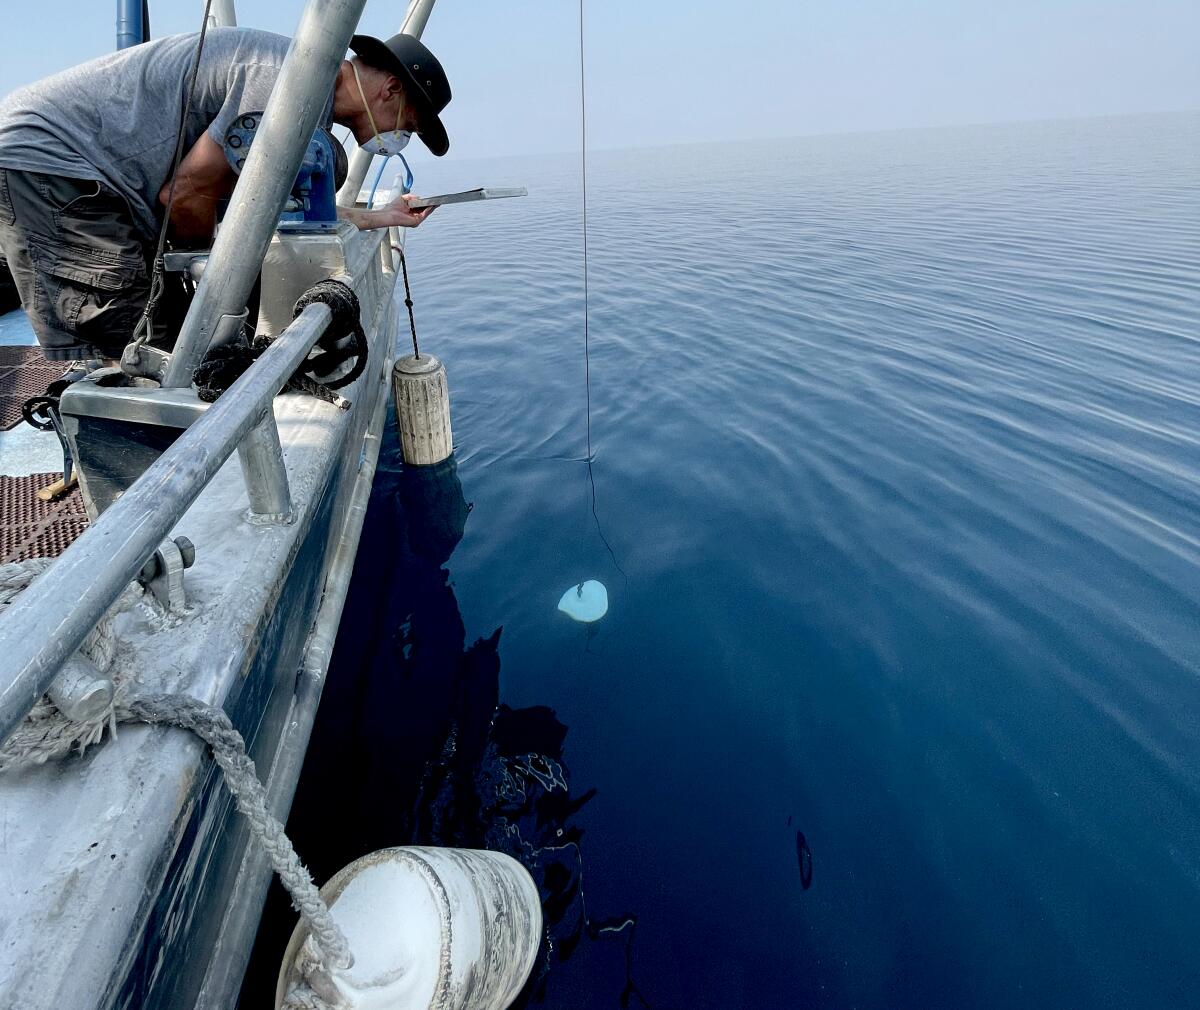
(897, 448)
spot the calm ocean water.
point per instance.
(897, 447)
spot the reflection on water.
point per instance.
(413, 746)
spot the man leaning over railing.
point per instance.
(86, 158)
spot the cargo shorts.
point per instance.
(78, 262)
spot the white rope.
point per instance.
(47, 733)
(212, 725)
(301, 997)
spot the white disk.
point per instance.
(586, 602)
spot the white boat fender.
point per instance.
(586, 602)
(422, 409)
(452, 929)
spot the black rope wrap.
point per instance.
(342, 341)
(222, 366)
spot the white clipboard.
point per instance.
(468, 196)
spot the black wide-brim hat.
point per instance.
(423, 77)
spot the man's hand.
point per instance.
(395, 215)
(399, 214)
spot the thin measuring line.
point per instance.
(587, 364)
(587, 370)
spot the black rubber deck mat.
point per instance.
(32, 528)
(23, 373)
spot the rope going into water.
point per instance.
(408, 302)
(587, 364)
(47, 733)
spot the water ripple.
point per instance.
(898, 438)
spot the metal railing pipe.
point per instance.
(49, 620)
(416, 18)
(222, 14)
(360, 161)
(266, 478)
(297, 101)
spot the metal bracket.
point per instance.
(144, 361)
(163, 573)
(191, 262)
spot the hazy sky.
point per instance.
(677, 71)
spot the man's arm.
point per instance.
(395, 214)
(204, 177)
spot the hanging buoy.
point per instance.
(422, 409)
(451, 929)
(586, 602)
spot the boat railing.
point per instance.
(50, 619)
(46, 623)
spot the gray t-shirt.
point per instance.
(114, 119)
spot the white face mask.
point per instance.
(386, 144)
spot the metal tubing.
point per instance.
(296, 103)
(360, 161)
(49, 620)
(222, 14)
(261, 457)
(131, 23)
(81, 691)
(416, 18)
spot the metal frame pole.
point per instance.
(222, 14)
(297, 101)
(131, 23)
(44, 626)
(360, 161)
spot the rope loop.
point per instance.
(343, 340)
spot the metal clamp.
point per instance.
(163, 573)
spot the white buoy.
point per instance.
(451, 929)
(586, 602)
(422, 409)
